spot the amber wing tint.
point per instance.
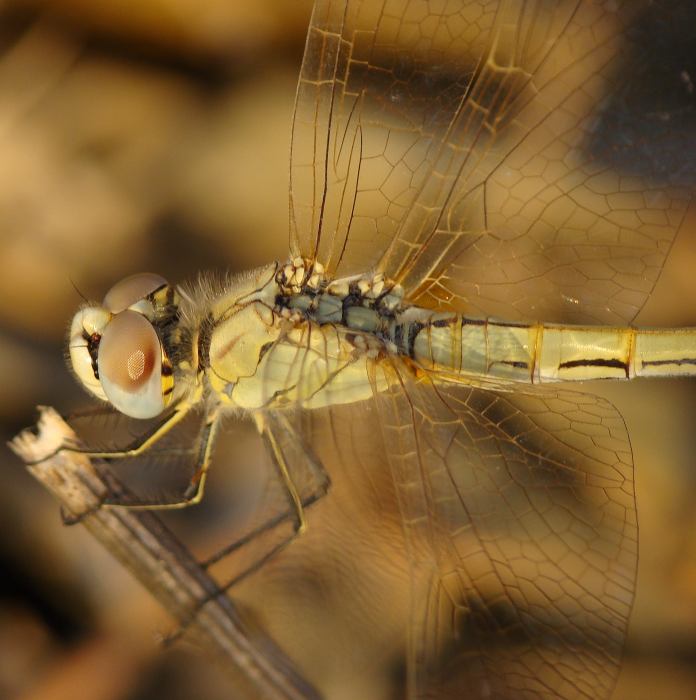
(520, 519)
(529, 160)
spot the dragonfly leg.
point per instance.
(139, 445)
(269, 524)
(190, 619)
(289, 484)
(196, 488)
(257, 564)
(69, 519)
(282, 467)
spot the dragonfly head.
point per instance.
(117, 349)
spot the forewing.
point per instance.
(569, 211)
(379, 86)
(518, 159)
(519, 513)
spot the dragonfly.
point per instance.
(482, 196)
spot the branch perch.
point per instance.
(141, 542)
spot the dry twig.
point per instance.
(144, 545)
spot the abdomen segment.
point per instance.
(542, 352)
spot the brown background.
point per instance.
(153, 134)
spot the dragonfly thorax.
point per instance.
(287, 335)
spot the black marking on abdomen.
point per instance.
(507, 324)
(518, 364)
(473, 321)
(353, 298)
(399, 336)
(442, 322)
(596, 362)
(661, 363)
(413, 330)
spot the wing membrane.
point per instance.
(583, 202)
(370, 118)
(163, 474)
(508, 158)
(259, 508)
(520, 508)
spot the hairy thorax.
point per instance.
(286, 336)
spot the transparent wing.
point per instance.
(519, 513)
(259, 510)
(163, 473)
(518, 159)
(250, 502)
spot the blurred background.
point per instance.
(154, 135)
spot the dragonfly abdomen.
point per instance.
(539, 352)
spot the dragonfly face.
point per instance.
(118, 349)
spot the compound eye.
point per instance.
(131, 290)
(130, 365)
